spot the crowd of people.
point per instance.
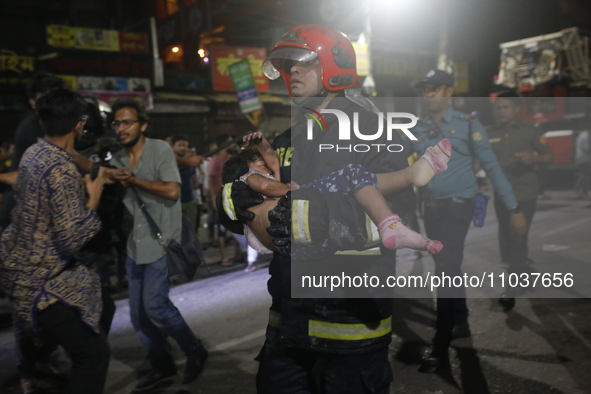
(55, 206)
(62, 249)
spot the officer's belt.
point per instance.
(340, 331)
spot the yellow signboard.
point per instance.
(11, 61)
(70, 81)
(96, 39)
(60, 36)
(461, 77)
(106, 40)
(362, 58)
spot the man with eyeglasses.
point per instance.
(449, 201)
(149, 166)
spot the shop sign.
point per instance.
(133, 42)
(111, 96)
(248, 97)
(107, 83)
(223, 56)
(15, 69)
(361, 58)
(60, 36)
(92, 63)
(96, 39)
(10, 61)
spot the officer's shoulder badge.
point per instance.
(477, 136)
(543, 140)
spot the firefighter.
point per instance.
(319, 345)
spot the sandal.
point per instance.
(226, 263)
(240, 259)
(250, 268)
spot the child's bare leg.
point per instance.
(394, 234)
(433, 162)
(261, 221)
(393, 181)
(373, 203)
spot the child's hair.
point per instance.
(237, 165)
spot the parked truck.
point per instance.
(553, 71)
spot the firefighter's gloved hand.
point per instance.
(310, 212)
(299, 225)
(307, 208)
(280, 219)
(236, 198)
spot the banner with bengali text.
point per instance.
(15, 69)
(244, 85)
(111, 96)
(222, 56)
(61, 36)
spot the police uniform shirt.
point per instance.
(459, 180)
(506, 141)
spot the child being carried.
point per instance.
(259, 169)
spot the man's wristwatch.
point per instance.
(517, 209)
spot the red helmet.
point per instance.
(308, 42)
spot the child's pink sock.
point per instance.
(396, 235)
(438, 156)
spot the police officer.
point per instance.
(449, 201)
(347, 349)
(518, 147)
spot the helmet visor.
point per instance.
(282, 59)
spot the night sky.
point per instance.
(411, 29)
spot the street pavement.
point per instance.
(541, 346)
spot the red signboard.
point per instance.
(223, 56)
(116, 65)
(133, 42)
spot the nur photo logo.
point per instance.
(317, 117)
(349, 129)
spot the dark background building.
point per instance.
(406, 39)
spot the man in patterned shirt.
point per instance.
(52, 296)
